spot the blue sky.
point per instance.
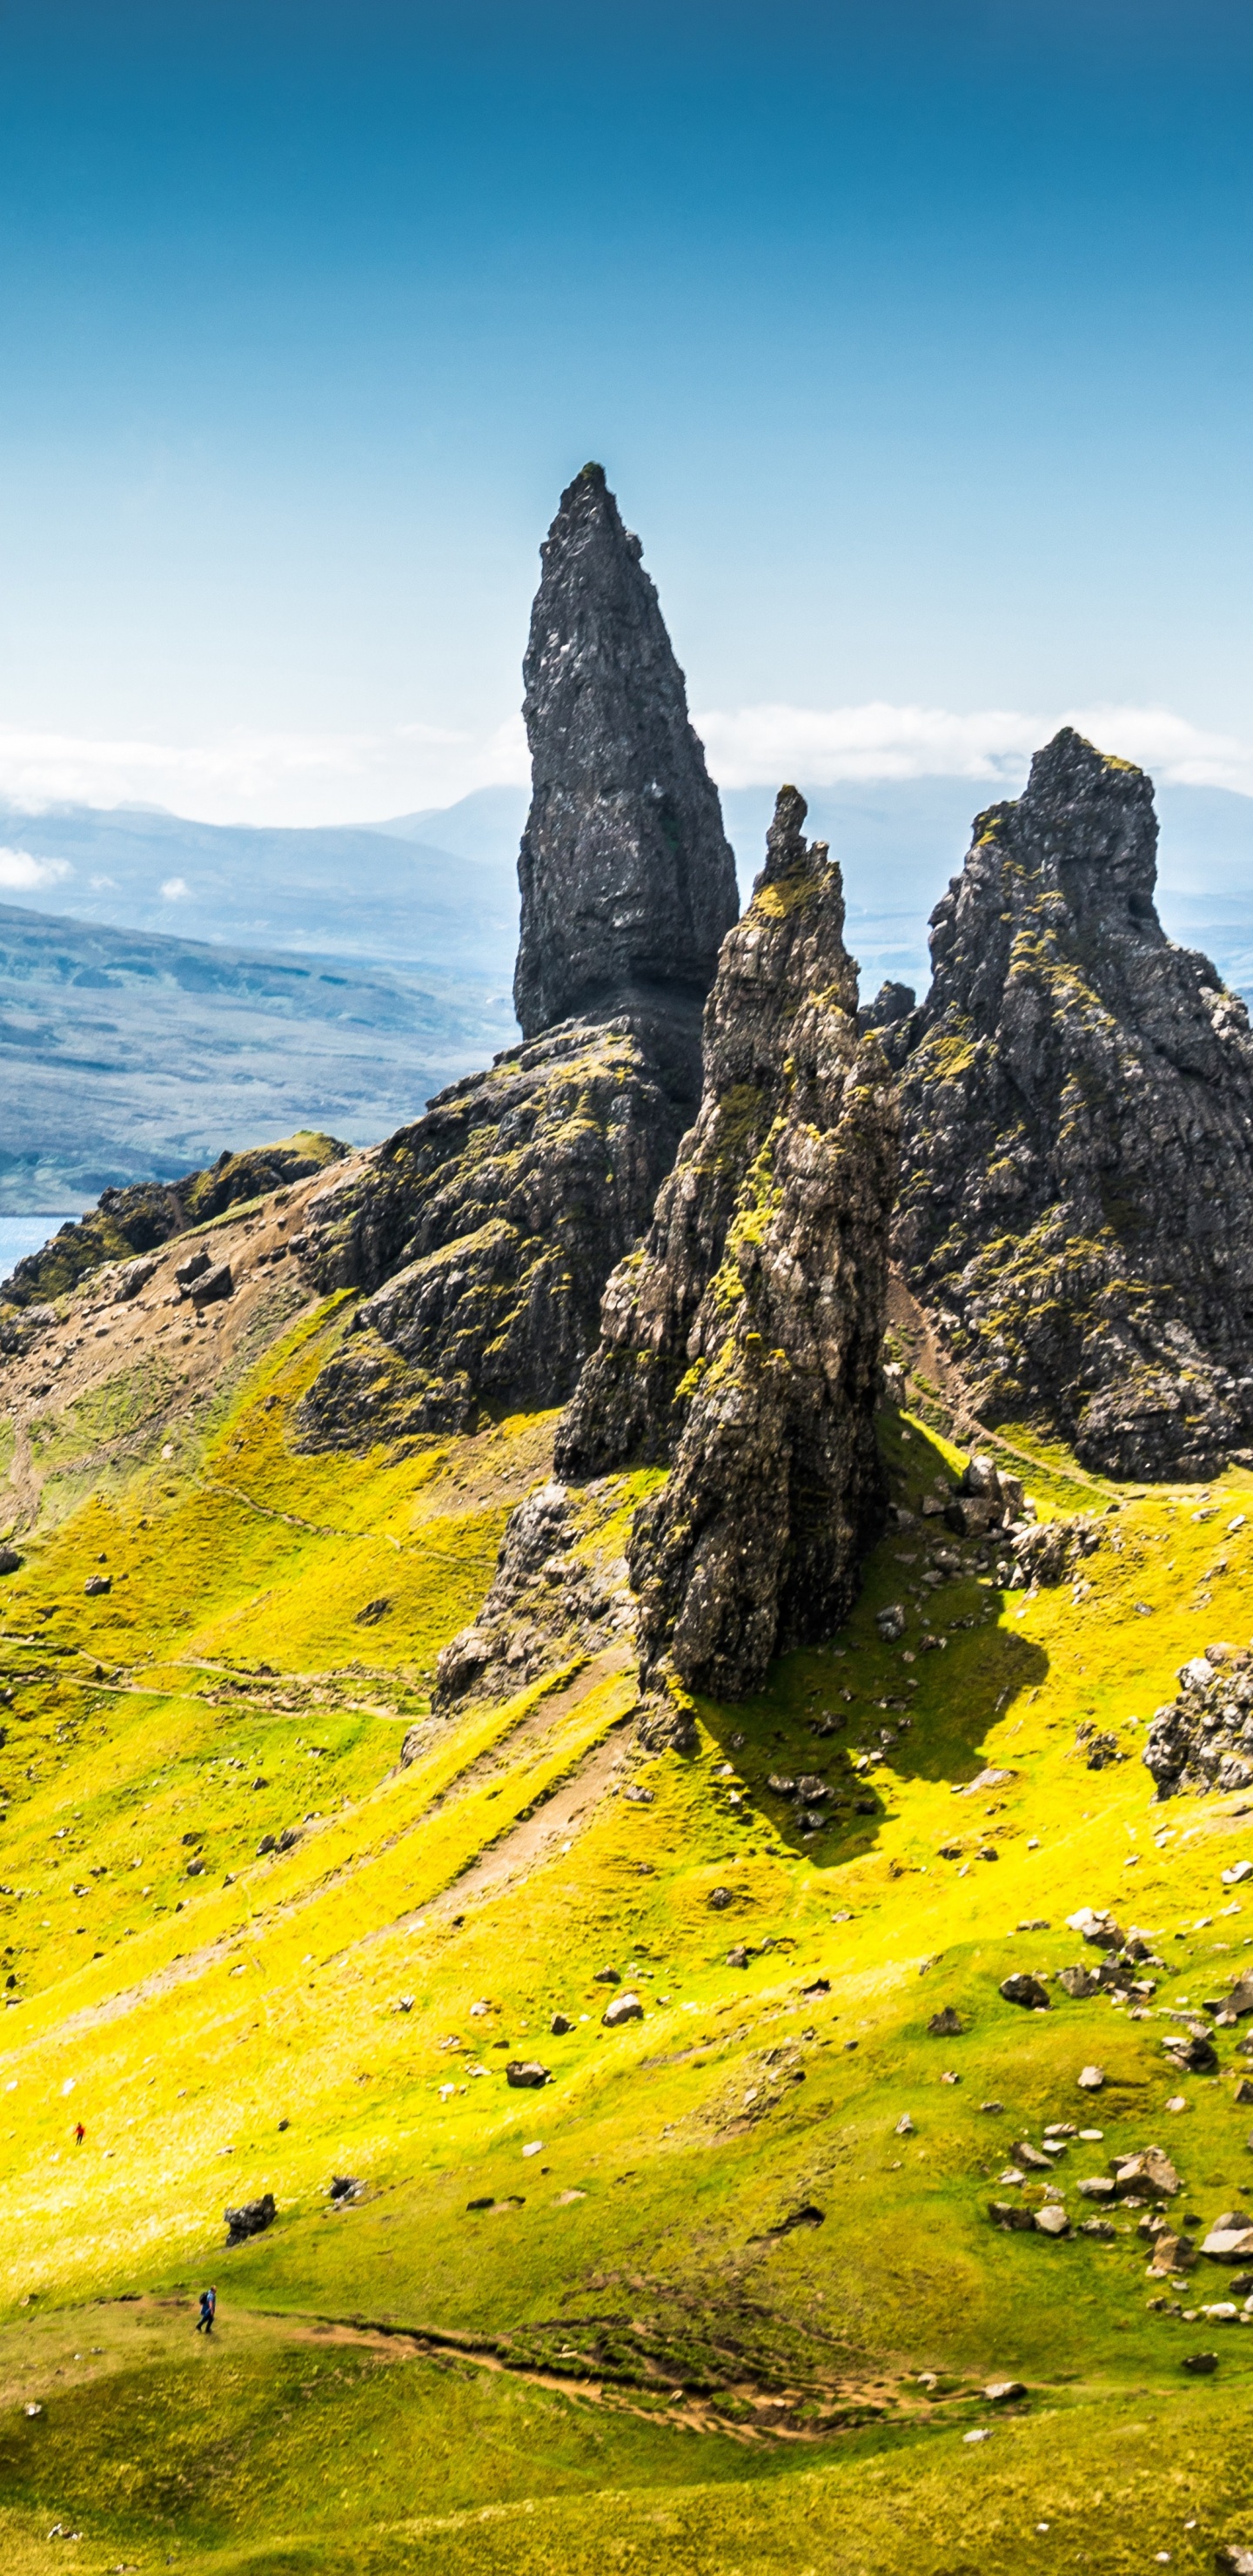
(915, 340)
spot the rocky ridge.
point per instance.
(740, 1343)
(138, 1219)
(1077, 1091)
(483, 1234)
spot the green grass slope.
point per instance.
(724, 2293)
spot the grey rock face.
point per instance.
(1077, 1202)
(741, 1342)
(484, 1234)
(627, 878)
(1203, 1739)
(553, 1596)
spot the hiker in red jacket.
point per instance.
(79, 2133)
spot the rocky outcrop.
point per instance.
(135, 1220)
(1076, 1207)
(484, 1233)
(740, 1343)
(1203, 1738)
(555, 1596)
(627, 878)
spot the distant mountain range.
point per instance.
(125, 1056)
(150, 1013)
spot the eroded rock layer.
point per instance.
(483, 1235)
(627, 878)
(1076, 1206)
(741, 1342)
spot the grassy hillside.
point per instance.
(724, 2293)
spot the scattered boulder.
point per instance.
(1099, 2227)
(97, 1583)
(1097, 2187)
(1232, 2559)
(1239, 1872)
(1202, 2363)
(251, 2218)
(560, 2024)
(739, 1955)
(623, 2008)
(213, 1285)
(344, 2187)
(10, 1561)
(905, 2126)
(721, 1897)
(946, 2024)
(1096, 1926)
(1091, 2079)
(1025, 1990)
(1010, 2215)
(526, 2074)
(1004, 2392)
(194, 1267)
(1052, 2220)
(1146, 2171)
(606, 1977)
(891, 1623)
(1191, 2051)
(1230, 2239)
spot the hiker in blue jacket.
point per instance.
(208, 2311)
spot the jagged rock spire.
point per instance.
(1077, 1196)
(627, 878)
(741, 1343)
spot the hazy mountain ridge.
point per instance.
(130, 1056)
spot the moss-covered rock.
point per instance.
(1077, 1201)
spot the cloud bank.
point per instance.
(287, 778)
(820, 746)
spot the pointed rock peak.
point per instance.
(786, 846)
(627, 878)
(1070, 766)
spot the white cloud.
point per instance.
(264, 777)
(20, 873)
(176, 889)
(760, 745)
(289, 778)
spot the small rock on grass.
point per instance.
(904, 2126)
(525, 2073)
(1025, 1990)
(1202, 2363)
(623, 2008)
(560, 2024)
(1091, 2079)
(1234, 2560)
(1003, 2392)
(1052, 2221)
(946, 2024)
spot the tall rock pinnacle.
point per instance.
(741, 1342)
(1076, 1204)
(482, 1235)
(627, 878)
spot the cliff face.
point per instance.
(627, 879)
(1077, 1201)
(484, 1233)
(741, 1343)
